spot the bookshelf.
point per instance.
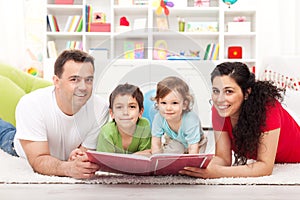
(176, 41)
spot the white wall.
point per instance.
(278, 29)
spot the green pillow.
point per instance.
(10, 94)
(14, 83)
(25, 81)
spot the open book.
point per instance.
(157, 164)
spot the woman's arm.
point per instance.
(262, 167)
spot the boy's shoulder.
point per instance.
(143, 122)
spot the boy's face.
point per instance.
(125, 111)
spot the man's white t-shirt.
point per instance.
(40, 119)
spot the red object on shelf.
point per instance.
(64, 1)
(235, 52)
(100, 27)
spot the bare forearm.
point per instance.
(255, 169)
(49, 165)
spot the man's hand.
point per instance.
(75, 153)
(81, 167)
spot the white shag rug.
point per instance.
(15, 170)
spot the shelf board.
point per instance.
(65, 35)
(64, 9)
(228, 35)
(175, 34)
(131, 34)
(98, 35)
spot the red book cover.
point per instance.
(55, 24)
(157, 164)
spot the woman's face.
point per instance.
(227, 96)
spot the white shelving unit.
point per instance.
(176, 41)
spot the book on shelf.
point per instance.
(68, 23)
(157, 164)
(52, 52)
(211, 52)
(52, 23)
(88, 17)
(216, 52)
(74, 45)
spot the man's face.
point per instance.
(74, 87)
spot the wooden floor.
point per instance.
(143, 192)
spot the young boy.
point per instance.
(128, 132)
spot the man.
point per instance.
(54, 122)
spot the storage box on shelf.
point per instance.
(100, 27)
(64, 1)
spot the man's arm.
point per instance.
(41, 161)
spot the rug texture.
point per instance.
(15, 170)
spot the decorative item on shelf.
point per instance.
(235, 52)
(194, 53)
(34, 65)
(239, 24)
(125, 2)
(99, 23)
(160, 50)
(162, 5)
(162, 23)
(202, 27)
(99, 17)
(201, 3)
(124, 25)
(64, 1)
(133, 50)
(181, 24)
(229, 2)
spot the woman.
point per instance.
(249, 120)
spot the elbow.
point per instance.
(268, 172)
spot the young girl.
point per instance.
(128, 132)
(175, 119)
(249, 120)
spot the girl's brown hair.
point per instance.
(172, 83)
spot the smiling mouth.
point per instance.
(80, 95)
(223, 107)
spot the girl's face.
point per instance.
(125, 112)
(171, 106)
(227, 96)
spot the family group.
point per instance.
(56, 125)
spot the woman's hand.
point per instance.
(210, 172)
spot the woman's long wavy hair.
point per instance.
(252, 116)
